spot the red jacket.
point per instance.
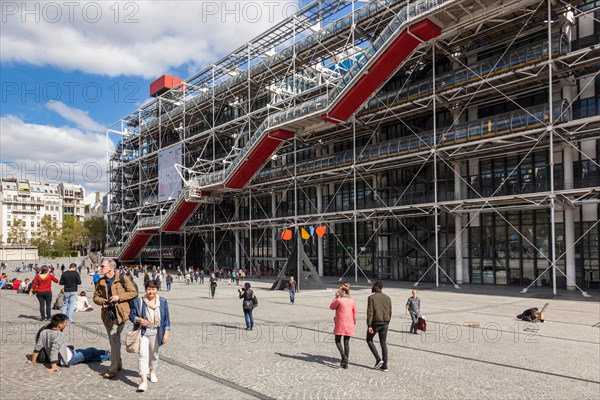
(345, 316)
(43, 285)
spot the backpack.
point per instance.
(122, 280)
(251, 303)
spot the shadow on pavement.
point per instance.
(331, 362)
(122, 375)
(29, 317)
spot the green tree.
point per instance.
(96, 227)
(74, 232)
(17, 234)
(48, 238)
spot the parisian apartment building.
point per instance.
(29, 201)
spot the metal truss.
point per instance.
(486, 55)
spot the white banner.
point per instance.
(169, 181)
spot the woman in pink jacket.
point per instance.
(345, 319)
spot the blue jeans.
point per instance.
(414, 316)
(168, 286)
(91, 354)
(69, 301)
(292, 295)
(249, 319)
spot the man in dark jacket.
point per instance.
(379, 313)
(70, 280)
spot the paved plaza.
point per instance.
(291, 353)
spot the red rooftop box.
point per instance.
(162, 84)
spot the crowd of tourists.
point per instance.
(117, 296)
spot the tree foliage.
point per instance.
(48, 238)
(53, 240)
(96, 227)
(74, 232)
(17, 234)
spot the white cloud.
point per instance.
(52, 154)
(79, 117)
(167, 34)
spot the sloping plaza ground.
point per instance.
(291, 353)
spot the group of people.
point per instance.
(119, 301)
(118, 298)
(13, 284)
(379, 314)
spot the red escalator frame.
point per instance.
(382, 69)
(257, 158)
(366, 85)
(136, 245)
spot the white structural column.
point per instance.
(569, 218)
(320, 240)
(567, 86)
(458, 225)
(273, 232)
(238, 261)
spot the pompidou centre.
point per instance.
(446, 141)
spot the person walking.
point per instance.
(70, 279)
(159, 279)
(292, 290)
(344, 320)
(113, 292)
(213, 285)
(150, 314)
(413, 307)
(169, 280)
(248, 304)
(42, 287)
(379, 313)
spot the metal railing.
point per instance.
(321, 103)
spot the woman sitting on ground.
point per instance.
(58, 303)
(82, 303)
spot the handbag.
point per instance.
(132, 338)
(132, 341)
(422, 324)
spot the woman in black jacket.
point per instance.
(248, 304)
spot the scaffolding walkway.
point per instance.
(406, 31)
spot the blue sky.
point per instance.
(68, 71)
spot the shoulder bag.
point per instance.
(132, 338)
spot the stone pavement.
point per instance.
(291, 353)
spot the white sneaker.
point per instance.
(153, 378)
(143, 387)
